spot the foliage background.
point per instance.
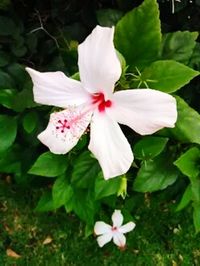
(44, 35)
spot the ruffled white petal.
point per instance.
(117, 218)
(104, 239)
(127, 227)
(109, 145)
(119, 240)
(65, 129)
(99, 65)
(144, 110)
(54, 88)
(101, 228)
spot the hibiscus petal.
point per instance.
(98, 63)
(109, 145)
(104, 239)
(56, 89)
(101, 228)
(65, 129)
(117, 218)
(119, 240)
(144, 110)
(127, 227)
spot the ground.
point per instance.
(161, 237)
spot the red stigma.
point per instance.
(63, 125)
(98, 98)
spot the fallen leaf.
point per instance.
(47, 240)
(12, 253)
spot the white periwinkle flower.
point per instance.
(116, 232)
(93, 101)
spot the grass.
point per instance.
(161, 237)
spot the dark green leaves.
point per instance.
(85, 170)
(62, 191)
(155, 174)
(168, 76)
(149, 147)
(187, 127)
(49, 165)
(189, 163)
(105, 188)
(179, 45)
(8, 131)
(138, 34)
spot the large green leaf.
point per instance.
(167, 75)
(149, 147)
(138, 34)
(179, 45)
(49, 165)
(186, 199)
(85, 170)
(187, 128)
(8, 131)
(45, 203)
(30, 121)
(61, 192)
(84, 205)
(104, 188)
(155, 174)
(189, 162)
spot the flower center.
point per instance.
(114, 228)
(98, 98)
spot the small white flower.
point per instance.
(115, 232)
(92, 101)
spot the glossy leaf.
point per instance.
(186, 199)
(104, 188)
(179, 45)
(30, 121)
(149, 147)
(187, 127)
(85, 170)
(168, 75)
(155, 174)
(8, 131)
(49, 165)
(138, 34)
(61, 191)
(189, 163)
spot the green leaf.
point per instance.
(85, 170)
(138, 34)
(8, 131)
(23, 100)
(168, 75)
(7, 26)
(155, 174)
(84, 205)
(189, 163)
(6, 97)
(186, 198)
(49, 165)
(187, 128)
(30, 121)
(10, 162)
(4, 59)
(108, 17)
(149, 147)
(6, 82)
(104, 188)
(62, 191)
(179, 45)
(196, 216)
(45, 203)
